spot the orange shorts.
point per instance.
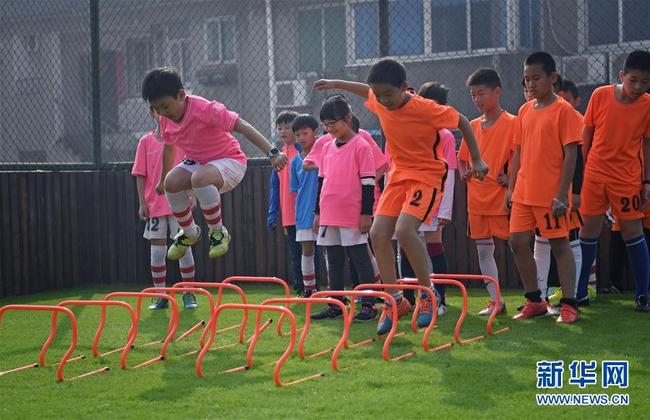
(525, 218)
(481, 226)
(575, 220)
(625, 199)
(411, 197)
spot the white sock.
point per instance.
(577, 255)
(542, 256)
(158, 265)
(308, 271)
(186, 265)
(210, 201)
(488, 264)
(179, 203)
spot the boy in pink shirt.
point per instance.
(344, 203)
(214, 162)
(155, 211)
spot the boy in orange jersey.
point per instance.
(546, 138)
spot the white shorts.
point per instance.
(160, 227)
(305, 235)
(232, 171)
(344, 236)
(431, 227)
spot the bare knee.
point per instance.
(207, 175)
(176, 182)
(519, 242)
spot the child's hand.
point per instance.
(143, 212)
(575, 204)
(316, 225)
(466, 174)
(279, 161)
(160, 188)
(508, 201)
(443, 222)
(324, 84)
(559, 206)
(503, 179)
(366, 223)
(479, 169)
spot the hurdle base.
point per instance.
(93, 373)
(19, 369)
(306, 378)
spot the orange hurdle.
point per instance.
(301, 344)
(251, 347)
(173, 321)
(275, 280)
(414, 327)
(41, 357)
(103, 303)
(387, 297)
(479, 277)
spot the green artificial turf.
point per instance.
(495, 377)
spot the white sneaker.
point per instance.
(487, 311)
(442, 309)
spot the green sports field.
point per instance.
(494, 378)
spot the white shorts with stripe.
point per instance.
(160, 227)
(232, 171)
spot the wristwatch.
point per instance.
(273, 153)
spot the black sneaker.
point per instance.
(367, 313)
(308, 292)
(642, 304)
(611, 290)
(583, 301)
(330, 312)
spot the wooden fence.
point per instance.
(61, 229)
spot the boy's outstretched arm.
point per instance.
(561, 201)
(479, 167)
(168, 155)
(359, 89)
(278, 161)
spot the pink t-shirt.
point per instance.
(448, 147)
(342, 168)
(287, 198)
(379, 159)
(148, 163)
(204, 132)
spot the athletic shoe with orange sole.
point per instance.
(386, 320)
(532, 310)
(568, 314)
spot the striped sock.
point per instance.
(186, 265)
(180, 205)
(210, 201)
(308, 272)
(158, 265)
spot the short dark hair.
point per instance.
(559, 83)
(304, 121)
(486, 77)
(387, 71)
(285, 117)
(435, 91)
(543, 59)
(159, 82)
(335, 108)
(637, 60)
(569, 86)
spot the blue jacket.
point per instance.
(274, 194)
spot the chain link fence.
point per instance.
(71, 69)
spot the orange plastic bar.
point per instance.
(480, 277)
(422, 289)
(463, 312)
(220, 286)
(104, 303)
(173, 321)
(54, 309)
(251, 348)
(353, 294)
(275, 280)
(172, 291)
(301, 344)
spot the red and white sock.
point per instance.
(186, 265)
(210, 201)
(180, 205)
(158, 265)
(308, 272)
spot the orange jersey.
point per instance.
(542, 134)
(411, 137)
(495, 143)
(619, 129)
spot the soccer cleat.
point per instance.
(568, 314)
(555, 297)
(386, 321)
(219, 240)
(611, 290)
(591, 292)
(330, 312)
(189, 301)
(551, 310)
(532, 310)
(426, 310)
(642, 304)
(367, 313)
(490, 307)
(442, 309)
(158, 304)
(181, 243)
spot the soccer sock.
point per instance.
(488, 264)
(638, 252)
(577, 255)
(308, 272)
(186, 265)
(158, 265)
(210, 201)
(542, 255)
(436, 252)
(179, 203)
(589, 250)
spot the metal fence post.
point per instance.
(95, 76)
